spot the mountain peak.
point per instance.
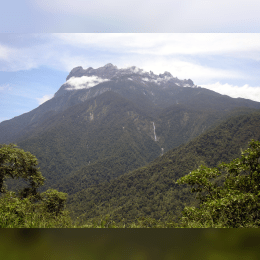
(110, 65)
(111, 72)
(76, 72)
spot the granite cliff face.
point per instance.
(80, 78)
(108, 71)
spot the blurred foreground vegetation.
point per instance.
(130, 244)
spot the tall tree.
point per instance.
(30, 208)
(232, 202)
(16, 163)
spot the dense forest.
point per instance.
(151, 191)
(151, 196)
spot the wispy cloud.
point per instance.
(172, 52)
(167, 44)
(245, 91)
(5, 87)
(4, 52)
(44, 98)
(200, 57)
(184, 70)
(84, 82)
(15, 59)
(55, 47)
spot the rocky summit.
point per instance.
(111, 72)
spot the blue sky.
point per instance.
(214, 43)
(34, 66)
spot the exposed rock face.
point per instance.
(109, 71)
(77, 72)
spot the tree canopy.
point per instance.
(28, 208)
(16, 163)
(229, 194)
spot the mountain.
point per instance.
(103, 123)
(150, 92)
(130, 83)
(150, 190)
(100, 130)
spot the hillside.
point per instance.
(150, 190)
(177, 127)
(102, 129)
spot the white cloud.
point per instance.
(177, 53)
(158, 80)
(84, 82)
(184, 70)
(245, 91)
(44, 98)
(4, 52)
(15, 59)
(167, 43)
(136, 70)
(5, 87)
(201, 44)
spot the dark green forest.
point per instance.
(153, 195)
(109, 135)
(151, 190)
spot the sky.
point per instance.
(34, 66)
(133, 16)
(214, 43)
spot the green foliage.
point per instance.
(234, 203)
(141, 222)
(24, 213)
(29, 208)
(16, 163)
(92, 142)
(150, 191)
(111, 134)
(54, 201)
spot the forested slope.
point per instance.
(97, 130)
(150, 190)
(175, 126)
